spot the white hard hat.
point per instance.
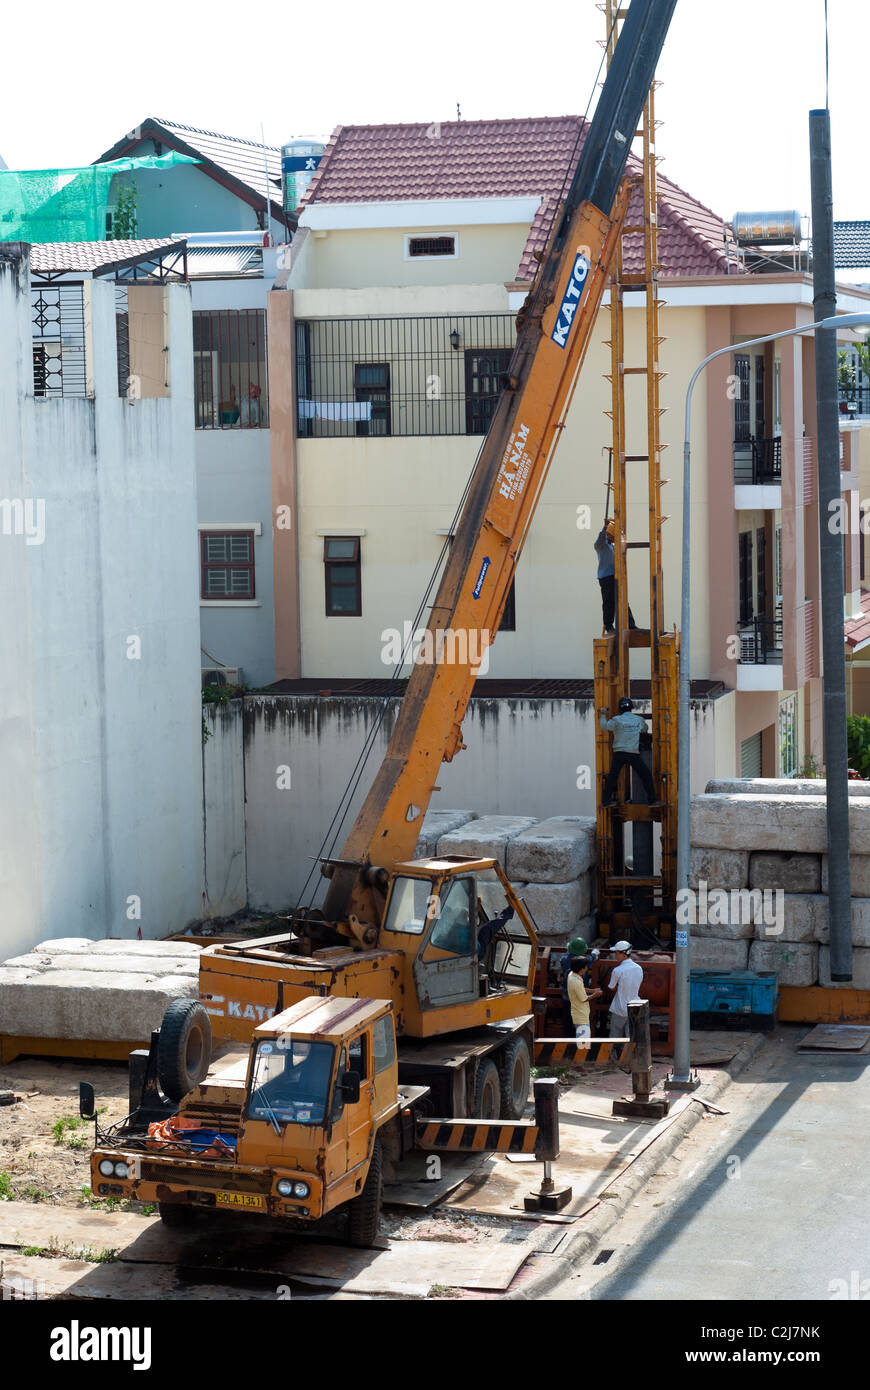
(624, 946)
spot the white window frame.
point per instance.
(787, 736)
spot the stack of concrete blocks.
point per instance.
(549, 862)
(772, 834)
(73, 988)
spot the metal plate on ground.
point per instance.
(835, 1037)
(413, 1188)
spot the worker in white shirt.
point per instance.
(625, 981)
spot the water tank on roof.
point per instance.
(767, 228)
(299, 160)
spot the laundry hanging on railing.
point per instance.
(335, 410)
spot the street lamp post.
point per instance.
(682, 1074)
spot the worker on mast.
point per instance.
(626, 729)
(604, 548)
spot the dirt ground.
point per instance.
(45, 1146)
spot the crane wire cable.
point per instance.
(330, 839)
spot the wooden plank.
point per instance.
(835, 1037)
(816, 1004)
(85, 1049)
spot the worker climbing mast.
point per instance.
(635, 896)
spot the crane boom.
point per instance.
(554, 330)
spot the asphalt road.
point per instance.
(771, 1201)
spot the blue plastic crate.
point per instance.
(734, 997)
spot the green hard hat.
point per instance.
(577, 947)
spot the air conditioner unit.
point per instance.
(222, 675)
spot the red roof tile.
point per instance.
(501, 159)
(857, 630)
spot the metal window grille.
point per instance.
(122, 338)
(758, 460)
(227, 564)
(58, 328)
(230, 380)
(742, 402)
(423, 365)
(431, 246)
(788, 749)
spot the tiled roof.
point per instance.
(244, 161)
(91, 256)
(501, 159)
(858, 629)
(851, 245)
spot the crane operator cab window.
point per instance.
(454, 930)
(290, 1081)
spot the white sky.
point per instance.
(739, 79)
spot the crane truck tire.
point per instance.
(515, 1073)
(364, 1211)
(183, 1048)
(487, 1092)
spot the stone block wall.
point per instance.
(551, 863)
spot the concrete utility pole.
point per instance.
(831, 551)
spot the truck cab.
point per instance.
(296, 1129)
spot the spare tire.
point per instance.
(183, 1048)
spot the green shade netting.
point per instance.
(43, 205)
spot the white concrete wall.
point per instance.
(106, 686)
(523, 758)
(225, 888)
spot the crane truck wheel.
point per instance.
(515, 1073)
(183, 1048)
(364, 1211)
(487, 1092)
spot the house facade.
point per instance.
(388, 331)
(228, 207)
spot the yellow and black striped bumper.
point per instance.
(478, 1136)
(549, 1052)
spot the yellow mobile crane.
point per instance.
(403, 991)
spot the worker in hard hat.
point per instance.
(626, 728)
(604, 548)
(575, 948)
(624, 982)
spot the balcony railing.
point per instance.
(761, 641)
(758, 461)
(856, 401)
(429, 375)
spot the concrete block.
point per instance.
(130, 964)
(486, 837)
(109, 946)
(558, 907)
(778, 786)
(553, 851)
(435, 824)
(719, 868)
(793, 873)
(796, 823)
(860, 969)
(796, 963)
(860, 920)
(112, 1006)
(736, 930)
(859, 874)
(708, 953)
(491, 894)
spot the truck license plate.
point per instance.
(239, 1199)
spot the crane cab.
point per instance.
(467, 944)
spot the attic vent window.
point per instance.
(428, 247)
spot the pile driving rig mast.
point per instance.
(627, 899)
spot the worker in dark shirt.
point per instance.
(604, 549)
(626, 728)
